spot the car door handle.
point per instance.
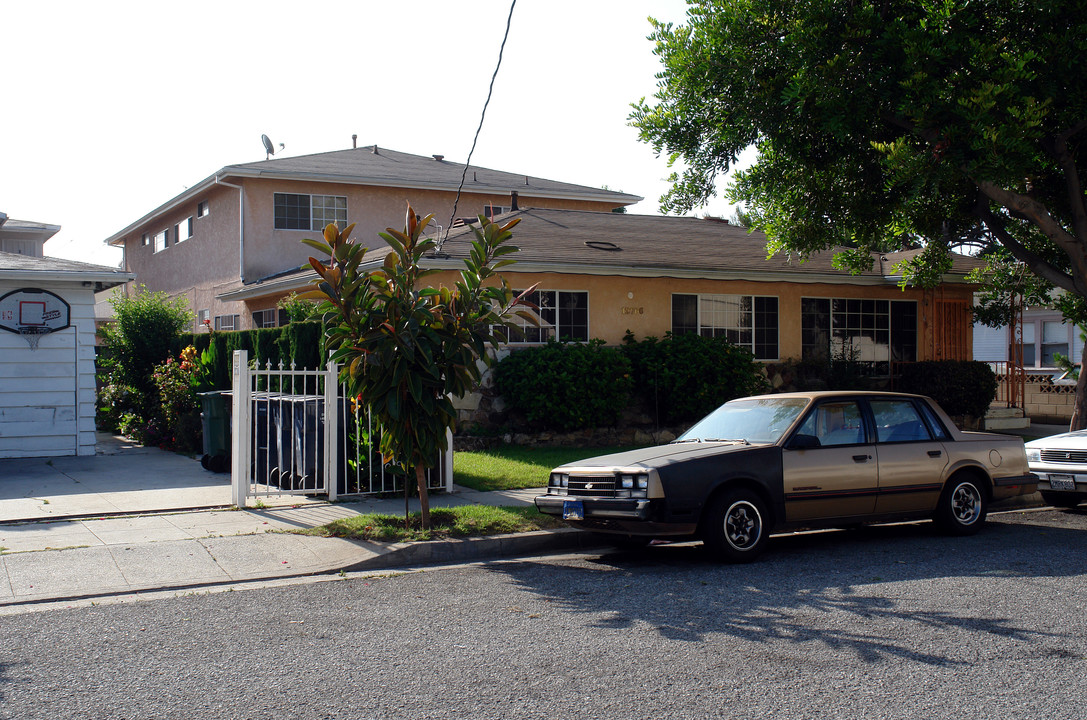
(934, 453)
(861, 458)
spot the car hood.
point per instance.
(1076, 439)
(658, 456)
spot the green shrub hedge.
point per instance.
(684, 377)
(301, 343)
(566, 386)
(961, 387)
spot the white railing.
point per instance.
(285, 441)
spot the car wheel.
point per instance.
(962, 507)
(1061, 499)
(736, 526)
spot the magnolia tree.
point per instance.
(406, 349)
(883, 121)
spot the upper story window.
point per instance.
(489, 211)
(227, 322)
(870, 331)
(749, 321)
(159, 241)
(145, 239)
(183, 230)
(309, 212)
(562, 315)
(202, 209)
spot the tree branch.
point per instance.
(1071, 181)
(1037, 264)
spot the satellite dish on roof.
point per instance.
(268, 147)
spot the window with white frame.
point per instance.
(183, 230)
(159, 241)
(1045, 338)
(227, 322)
(750, 321)
(265, 318)
(309, 212)
(202, 209)
(562, 315)
(145, 239)
(202, 319)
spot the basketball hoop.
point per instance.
(33, 333)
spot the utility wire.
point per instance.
(490, 90)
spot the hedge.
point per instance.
(961, 387)
(300, 343)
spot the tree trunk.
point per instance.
(424, 498)
(1079, 407)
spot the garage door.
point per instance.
(38, 395)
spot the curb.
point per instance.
(449, 552)
(429, 553)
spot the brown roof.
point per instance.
(565, 240)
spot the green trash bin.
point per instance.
(215, 423)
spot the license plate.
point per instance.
(573, 510)
(1062, 482)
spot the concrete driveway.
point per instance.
(122, 478)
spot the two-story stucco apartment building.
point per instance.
(223, 242)
(231, 245)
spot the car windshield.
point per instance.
(755, 420)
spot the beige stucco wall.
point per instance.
(207, 264)
(371, 209)
(198, 268)
(644, 305)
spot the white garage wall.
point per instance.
(47, 395)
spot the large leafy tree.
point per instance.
(406, 349)
(939, 121)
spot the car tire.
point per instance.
(1062, 499)
(963, 506)
(736, 526)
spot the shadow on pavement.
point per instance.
(685, 595)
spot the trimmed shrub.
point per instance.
(684, 377)
(301, 343)
(961, 387)
(566, 386)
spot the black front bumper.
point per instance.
(634, 516)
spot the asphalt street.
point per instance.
(886, 622)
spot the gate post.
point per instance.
(332, 430)
(241, 442)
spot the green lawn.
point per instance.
(511, 467)
(462, 521)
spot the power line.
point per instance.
(482, 115)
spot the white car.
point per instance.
(1060, 462)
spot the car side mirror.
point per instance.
(803, 442)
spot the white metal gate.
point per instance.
(296, 432)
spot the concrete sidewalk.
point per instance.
(132, 520)
(76, 558)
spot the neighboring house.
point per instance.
(1045, 333)
(225, 242)
(600, 275)
(22, 237)
(47, 394)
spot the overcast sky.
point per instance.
(110, 108)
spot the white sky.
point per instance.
(109, 109)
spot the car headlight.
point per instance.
(626, 482)
(1034, 455)
(558, 483)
